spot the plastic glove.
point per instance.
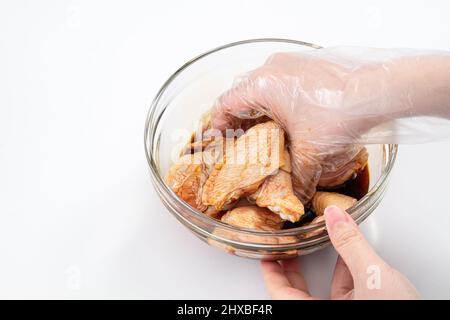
(331, 101)
(359, 273)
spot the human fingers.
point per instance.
(349, 242)
(292, 271)
(278, 284)
(342, 283)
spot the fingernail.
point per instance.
(334, 215)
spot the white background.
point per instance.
(78, 215)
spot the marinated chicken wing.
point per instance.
(322, 200)
(197, 142)
(253, 156)
(346, 172)
(277, 194)
(187, 177)
(196, 146)
(214, 152)
(253, 217)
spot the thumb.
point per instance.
(349, 242)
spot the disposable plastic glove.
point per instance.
(331, 101)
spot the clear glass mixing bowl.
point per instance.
(172, 117)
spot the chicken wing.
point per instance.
(277, 194)
(322, 200)
(187, 177)
(253, 217)
(253, 156)
(346, 172)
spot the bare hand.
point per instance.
(359, 273)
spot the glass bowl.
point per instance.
(174, 115)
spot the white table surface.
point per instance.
(79, 216)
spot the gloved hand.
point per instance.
(331, 101)
(359, 273)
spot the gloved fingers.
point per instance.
(306, 171)
(235, 104)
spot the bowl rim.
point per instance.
(159, 180)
